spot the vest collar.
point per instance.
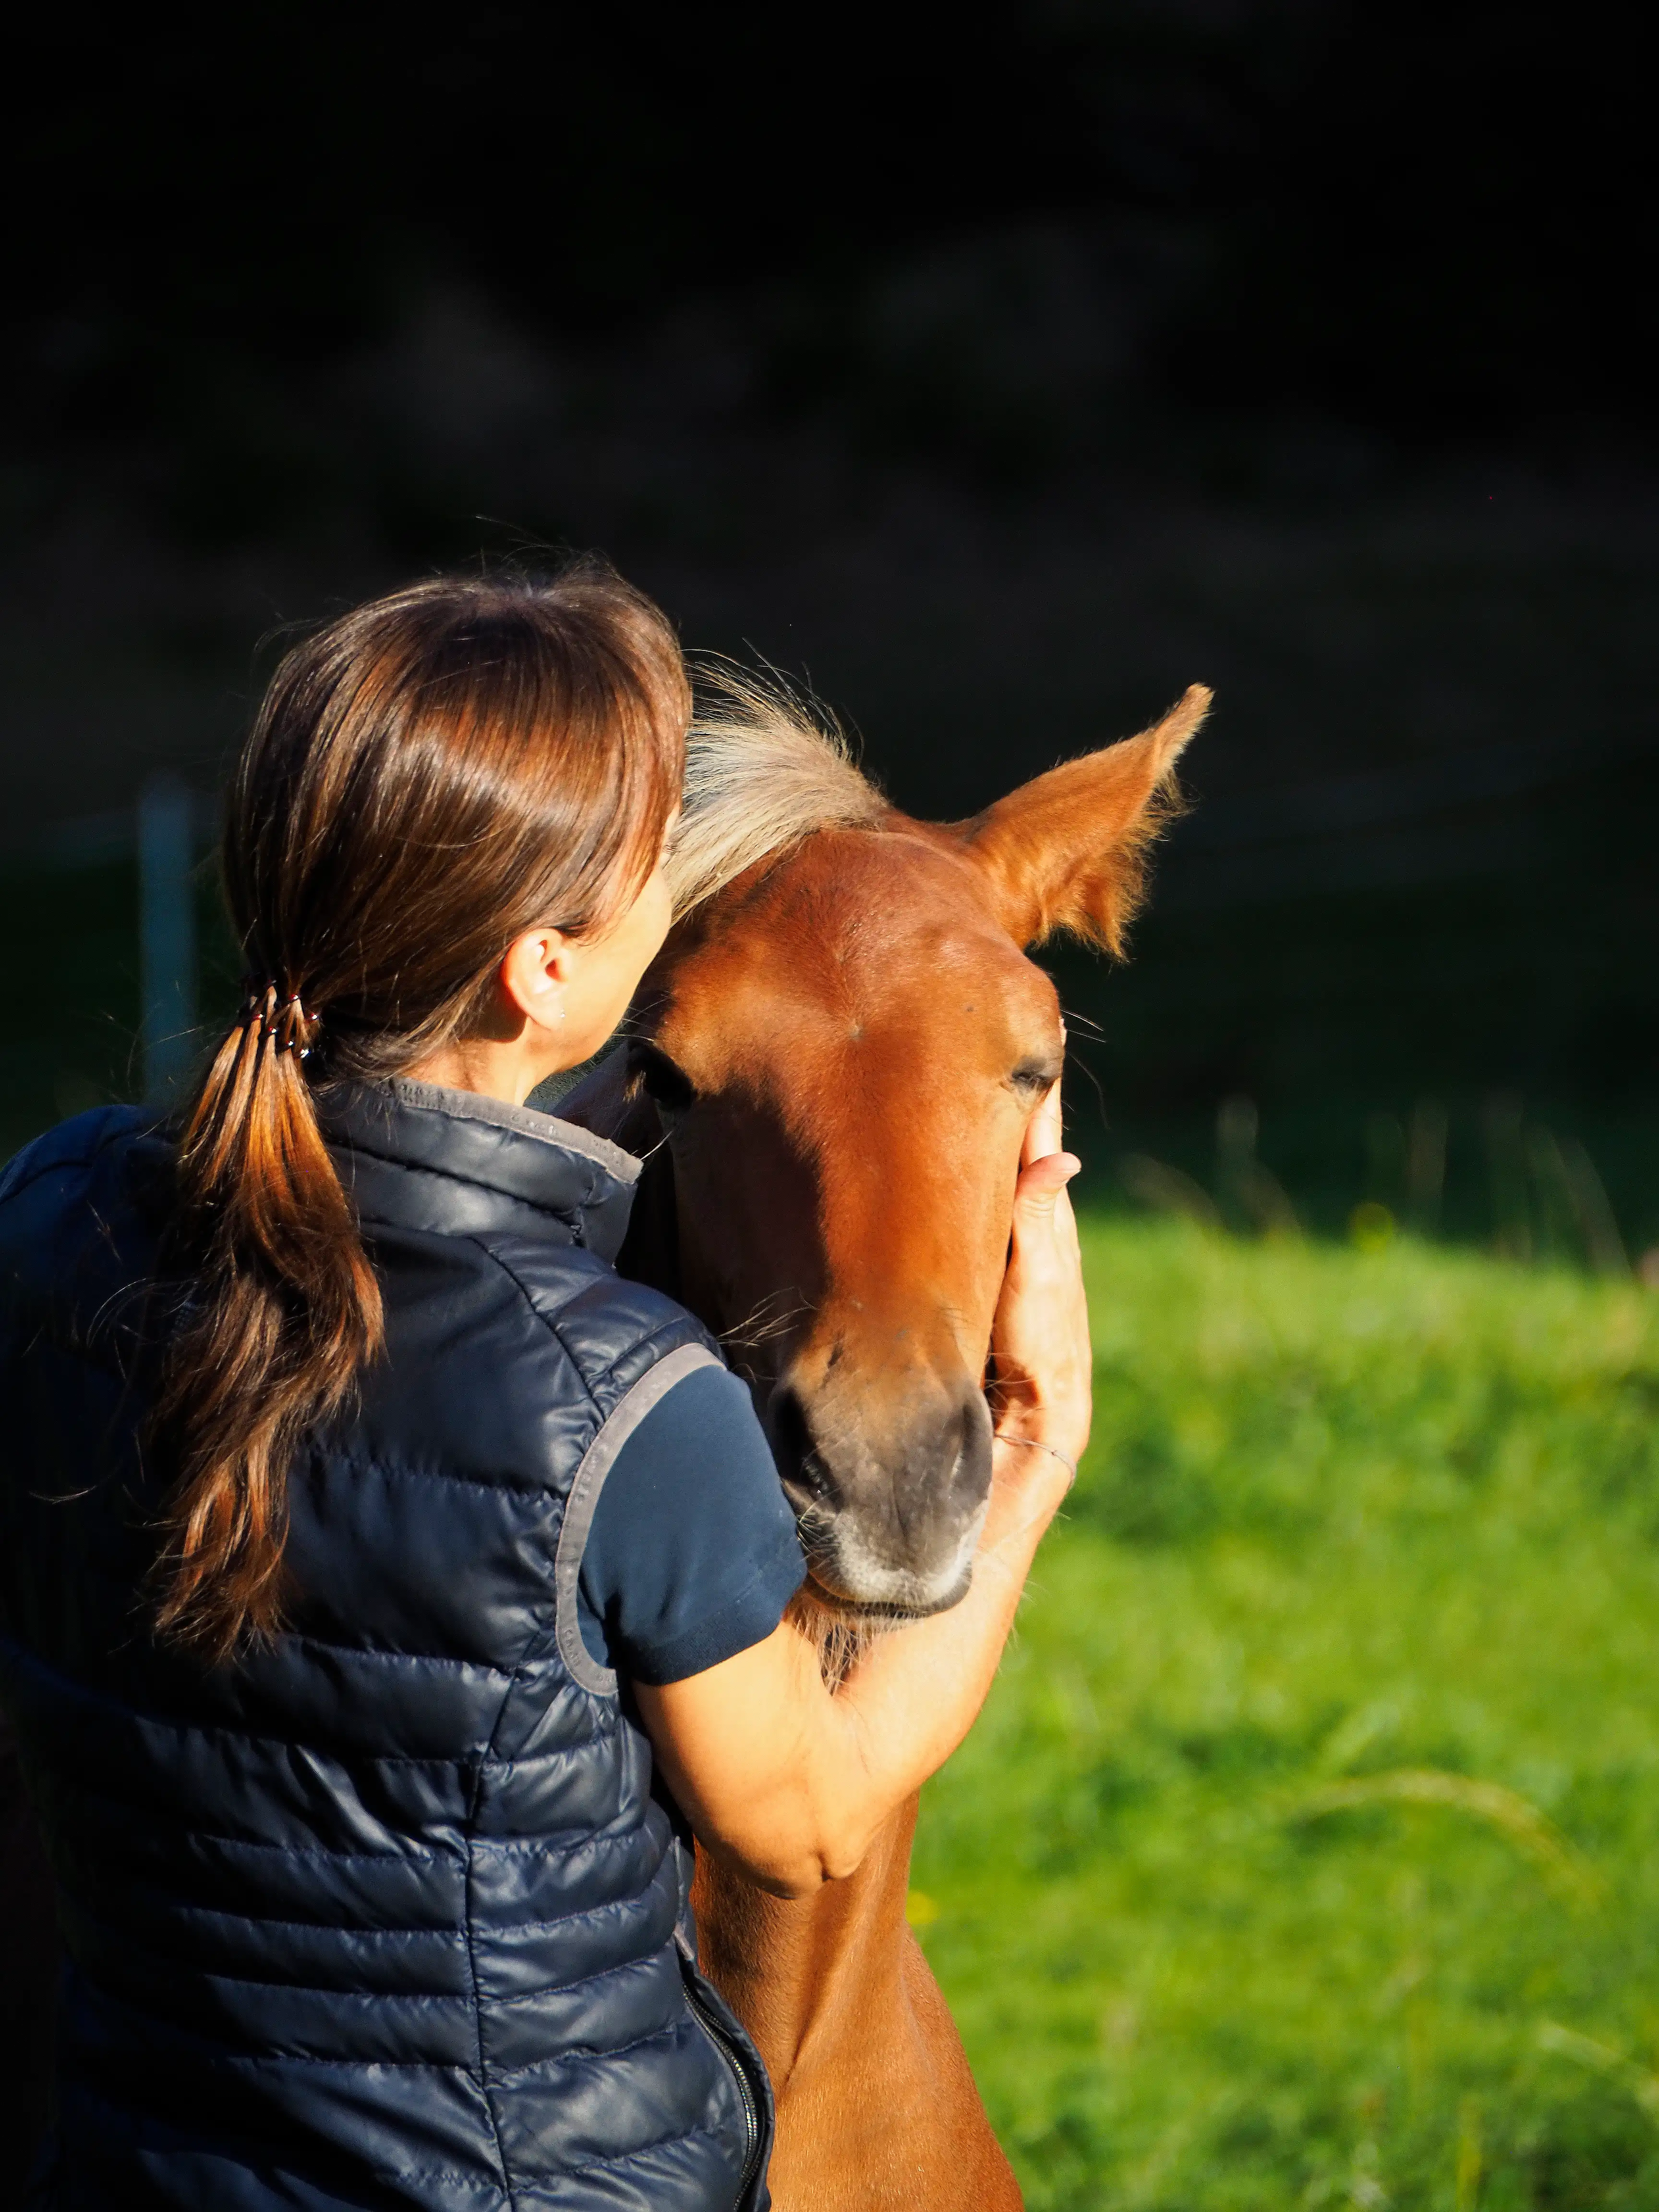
(416, 1156)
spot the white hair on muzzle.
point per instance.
(763, 770)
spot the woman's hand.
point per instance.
(1043, 1366)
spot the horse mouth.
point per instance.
(859, 1579)
(870, 1613)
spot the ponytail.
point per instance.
(283, 1309)
(426, 778)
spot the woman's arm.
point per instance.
(791, 1783)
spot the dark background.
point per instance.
(998, 377)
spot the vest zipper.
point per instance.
(723, 2044)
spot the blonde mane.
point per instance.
(763, 770)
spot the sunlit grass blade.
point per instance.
(1527, 1828)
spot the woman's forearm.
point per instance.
(914, 1692)
(795, 1796)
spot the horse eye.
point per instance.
(1033, 1077)
(668, 1087)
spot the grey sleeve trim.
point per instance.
(583, 1502)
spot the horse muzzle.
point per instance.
(889, 1514)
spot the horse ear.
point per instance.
(1067, 850)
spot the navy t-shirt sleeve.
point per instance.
(692, 1555)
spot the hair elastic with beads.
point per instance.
(283, 1020)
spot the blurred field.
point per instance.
(1308, 1850)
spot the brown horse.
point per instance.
(842, 1043)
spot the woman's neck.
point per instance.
(508, 1069)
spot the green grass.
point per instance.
(1347, 1515)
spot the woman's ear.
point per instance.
(1067, 850)
(532, 976)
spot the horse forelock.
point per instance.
(764, 769)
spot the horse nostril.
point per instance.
(799, 1463)
(792, 1439)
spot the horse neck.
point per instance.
(801, 1973)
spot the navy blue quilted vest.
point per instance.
(386, 1914)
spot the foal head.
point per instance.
(844, 1039)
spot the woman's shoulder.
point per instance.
(626, 1338)
(79, 1212)
(691, 1554)
(72, 1149)
(94, 1170)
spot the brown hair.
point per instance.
(426, 778)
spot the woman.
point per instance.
(369, 1546)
